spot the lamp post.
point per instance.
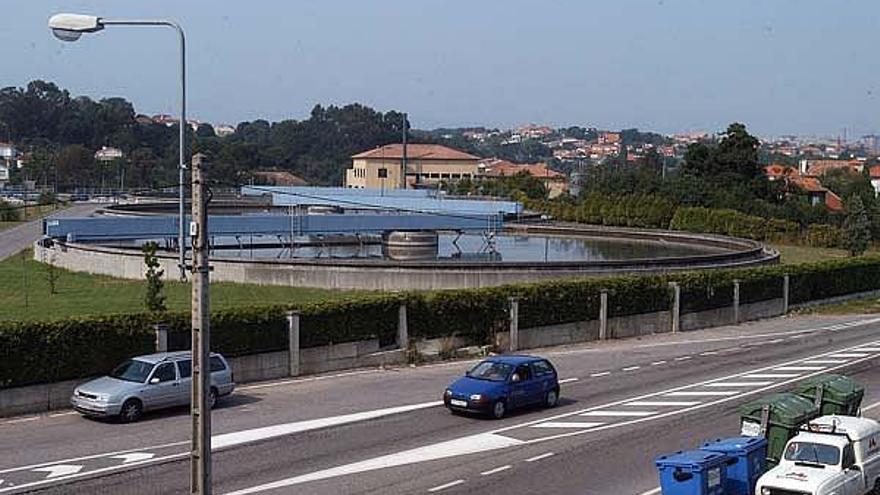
(69, 27)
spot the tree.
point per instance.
(154, 299)
(856, 227)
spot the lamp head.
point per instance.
(69, 27)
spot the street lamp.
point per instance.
(69, 27)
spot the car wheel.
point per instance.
(131, 411)
(212, 398)
(551, 398)
(499, 409)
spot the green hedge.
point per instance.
(41, 352)
(51, 351)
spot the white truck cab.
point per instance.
(834, 455)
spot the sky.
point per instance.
(805, 67)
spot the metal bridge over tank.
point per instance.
(400, 200)
(100, 229)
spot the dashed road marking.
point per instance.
(567, 424)
(658, 363)
(631, 368)
(712, 393)
(22, 420)
(597, 375)
(661, 403)
(709, 353)
(738, 384)
(447, 485)
(539, 457)
(496, 470)
(771, 375)
(683, 358)
(568, 380)
(618, 414)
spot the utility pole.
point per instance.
(200, 454)
(403, 171)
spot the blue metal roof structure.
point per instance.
(132, 228)
(403, 200)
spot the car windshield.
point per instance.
(489, 370)
(132, 371)
(813, 453)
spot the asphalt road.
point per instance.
(15, 239)
(623, 403)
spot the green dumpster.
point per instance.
(836, 394)
(781, 420)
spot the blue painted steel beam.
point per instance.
(131, 228)
(404, 200)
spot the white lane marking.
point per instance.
(59, 470)
(759, 335)
(868, 349)
(447, 485)
(597, 375)
(683, 358)
(848, 355)
(712, 393)
(658, 363)
(772, 375)
(539, 457)
(872, 406)
(618, 414)
(494, 439)
(95, 456)
(310, 379)
(246, 436)
(134, 457)
(58, 415)
(774, 341)
(21, 420)
(568, 380)
(709, 353)
(799, 368)
(651, 492)
(630, 368)
(660, 403)
(825, 361)
(496, 470)
(738, 384)
(567, 424)
(472, 444)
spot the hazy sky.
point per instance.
(780, 66)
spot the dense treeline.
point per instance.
(61, 132)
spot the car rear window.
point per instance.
(542, 368)
(185, 368)
(217, 364)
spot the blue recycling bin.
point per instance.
(692, 472)
(748, 461)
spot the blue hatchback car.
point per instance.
(502, 383)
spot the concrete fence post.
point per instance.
(514, 324)
(785, 286)
(293, 334)
(736, 315)
(676, 306)
(402, 330)
(603, 315)
(161, 338)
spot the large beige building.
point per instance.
(427, 164)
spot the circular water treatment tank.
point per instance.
(404, 245)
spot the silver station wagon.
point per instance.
(145, 383)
